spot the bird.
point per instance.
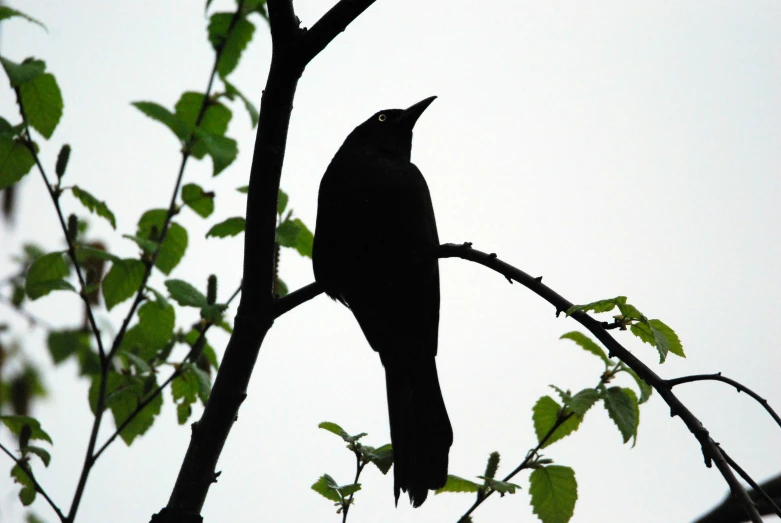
(375, 251)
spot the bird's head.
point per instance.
(390, 130)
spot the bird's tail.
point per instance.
(420, 428)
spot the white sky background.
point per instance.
(621, 148)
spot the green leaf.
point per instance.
(215, 118)
(6, 12)
(142, 367)
(15, 161)
(185, 294)
(382, 457)
(148, 246)
(231, 92)
(339, 431)
(244, 189)
(586, 343)
(42, 102)
(280, 287)
(656, 333)
(282, 200)
(84, 253)
(456, 484)
(26, 72)
(229, 227)
(38, 451)
(27, 496)
(46, 275)
(94, 205)
(156, 322)
(173, 248)
(546, 413)
(630, 312)
(16, 423)
(293, 233)
(122, 281)
(213, 313)
(645, 389)
(124, 393)
(222, 150)
(150, 226)
(232, 43)
(166, 117)
(553, 491)
(183, 412)
(621, 405)
(65, 343)
(198, 200)
(502, 487)
(581, 402)
(597, 306)
(327, 487)
(204, 383)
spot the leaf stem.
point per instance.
(38, 487)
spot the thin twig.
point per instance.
(90, 457)
(754, 485)
(358, 469)
(38, 488)
(55, 196)
(741, 388)
(175, 374)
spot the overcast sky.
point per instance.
(624, 148)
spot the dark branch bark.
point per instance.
(329, 26)
(256, 311)
(739, 386)
(730, 511)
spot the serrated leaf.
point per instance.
(457, 484)
(173, 248)
(15, 161)
(231, 91)
(122, 281)
(183, 412)
(204, 383)
(46, 275)
(215, 118)
(161, 114)
(230, 44)
(554, 492)
(335, 429)
(223, 150)
(198, 200)
(26, 72)
(16, 423)
(587, 344)
(581, 402)
(156, 322)
(124, 393)
(295, 234)
(6, 12)
(654, 332)
(597, 306)
(673, 342)
(229, 227)
(27, 496)
(382, 457)
(546, 414)
(84, 253)
(645, 389)
(621, 405)
(630, 312)
(65, 343)
(502, 487)
(42, 102)
(327, 487)
(146, 245)
(40, 452)
(94, 205)
(185, 294)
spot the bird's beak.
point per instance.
(410, 115)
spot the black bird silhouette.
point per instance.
(375, 251)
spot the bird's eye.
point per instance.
(381, 117)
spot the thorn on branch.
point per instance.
(509, 279)
(538, 279)
(492, 256)
(466, 245)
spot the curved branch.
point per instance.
(296, 298)
(741, 388)
(710, 449)
(38, 487)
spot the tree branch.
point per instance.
(710, 449)
(329, 26)
(296, 298)
(38, 487)
(255, 314)
(718, 377)
(760, 492)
